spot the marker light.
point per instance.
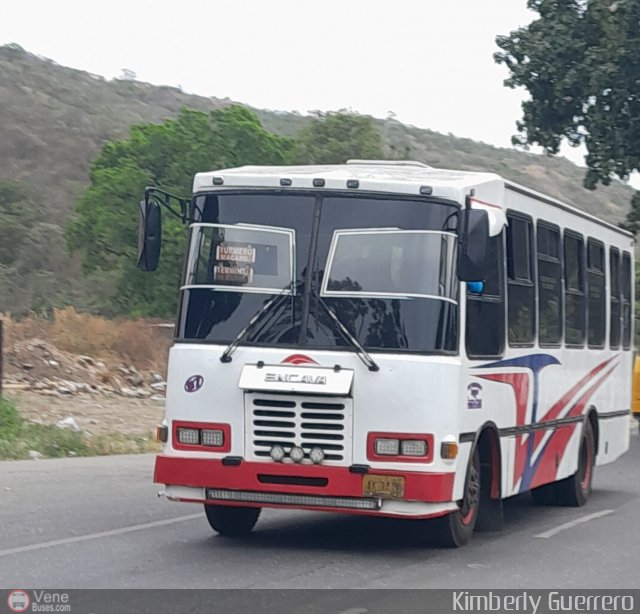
(211, 437)
(189, 437)
(449, 450)
(475, 287)
(387, 447)
(277, 453)
(316, 455)
(413, 447)
(296, 454)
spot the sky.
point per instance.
(428, 62)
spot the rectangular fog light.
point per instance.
(387, 447)
(212, 437)
(189, 437)
(413, 447)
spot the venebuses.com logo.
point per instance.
(38, 601)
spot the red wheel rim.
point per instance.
(471, 496)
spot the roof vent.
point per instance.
(390, 163)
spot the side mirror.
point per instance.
(149, 235)
(473, 240)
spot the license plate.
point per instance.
(391, 486)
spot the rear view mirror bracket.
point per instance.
(164, 198)
(150, 224)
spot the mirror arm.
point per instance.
(165, 198)
(467, 206)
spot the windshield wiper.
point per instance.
(363, 355)
(226, 355)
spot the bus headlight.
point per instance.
(188, 437)
(400, 447)
(211, 437)
(413, 447)
(387, 447)
(296, 454)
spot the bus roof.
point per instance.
(383, 176)
(398, 177)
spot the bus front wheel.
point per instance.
(232, 521)
(456, 528)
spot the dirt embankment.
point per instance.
(114, 384)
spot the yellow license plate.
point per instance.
(391, 486)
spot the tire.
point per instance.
(575, 490)
(232, 521)
(544, 495)
(491, 512)
(456, 528)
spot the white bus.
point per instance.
(390, 339)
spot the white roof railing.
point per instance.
(390, 163)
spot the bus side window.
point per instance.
(549, 285)
(614, 273)
(574, 290)
(626, 300)
(521, 297)
(596, 284)
(485, 325)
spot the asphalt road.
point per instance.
(97, 523)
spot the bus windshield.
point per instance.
(240, 258)
(391, 263)
(385, 266)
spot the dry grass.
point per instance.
(139, 342)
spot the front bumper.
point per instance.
(299, 487)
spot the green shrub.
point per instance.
(18, 437)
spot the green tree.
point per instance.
(579, 63)
(165, 155)
(632, 223)
(335, 137)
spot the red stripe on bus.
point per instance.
(555, 450)
(557, 408)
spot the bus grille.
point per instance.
(307, 422)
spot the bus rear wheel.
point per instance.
(575, 490)
(456, 528)
(232, 521)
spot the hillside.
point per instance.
(54, 120)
